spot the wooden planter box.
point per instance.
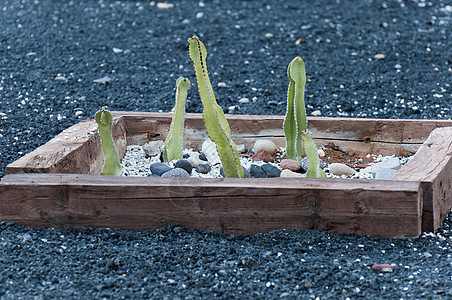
(68, 192)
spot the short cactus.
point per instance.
(314, 170)
(111, 158)
(214, 119)
(173, 143)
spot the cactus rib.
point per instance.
(173, 143)
(214, 119)
(111, 159)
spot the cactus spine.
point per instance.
(216, 124)
(111, 158)
(173, 143)
(295, 121)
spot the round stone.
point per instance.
(204, 168)
(159, 168)
(263, 155)
(177, 172)
(265, 145)
(184, 164)
(290, 164)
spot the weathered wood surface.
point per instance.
(376, 136)
(75, 150)
(378, 208)
(432, 167)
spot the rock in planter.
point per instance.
(246, 173)
(203, 168)
(263, 155)
(257, 172)
(266, 145)
(184, 164)
(271, 171)
(291, 165)
(289, 173)
(209, 149)
(341, 169)
(304, 164)
(153, 148)
(177, 172)
(159, 168)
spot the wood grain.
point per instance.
(432, 167)
(223, 205)
(418, 197)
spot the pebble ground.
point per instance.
(61, 61)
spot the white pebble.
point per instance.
(316, 113)
(163, 5)
(379, 56)
(78, 113)
(117, 50)
(289, 173)
(199, 15)
(221, 84)
(244, 100)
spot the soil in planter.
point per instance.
(137, 163)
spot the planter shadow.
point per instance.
(56, 185)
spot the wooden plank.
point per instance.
(75, 150)
(223, 205)
(377, 136)
(432, 166)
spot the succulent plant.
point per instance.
(111, 158)
(295, 122)
(214, 119)
(173, 144)
(314, 170)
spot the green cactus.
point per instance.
(295, 121)
(216, 124)
(173, 143)
(314, 170)
(111, 158)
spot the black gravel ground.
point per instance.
(53, 53)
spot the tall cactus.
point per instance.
(216, 124)
(173, 143)
(295, 121)
(111, 158)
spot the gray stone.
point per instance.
(184, 164)
(304, 164)
(203, 168)
(177, 172)
(384, 173)
(152, 148)
(271, 170)
(257, 172)
(159, 168)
